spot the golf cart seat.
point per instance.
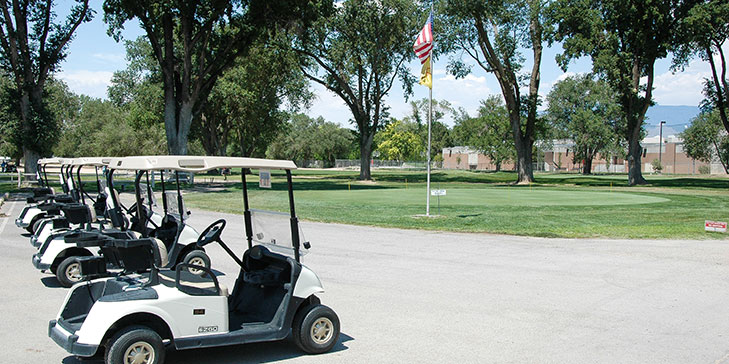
(265, 268)
(77, 213)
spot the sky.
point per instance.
(93, 57)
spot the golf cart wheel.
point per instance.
(197, 257)
(31, 226)
(69, 272)
(135, 345)
(35, 226)
(316, 329)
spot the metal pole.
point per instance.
(660, 142)
(430, 117)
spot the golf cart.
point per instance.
(89, 211)
(130, 318)
(43, 202)
(61, 250)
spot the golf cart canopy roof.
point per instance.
(93, 161)
(189, 163)
(50, 161)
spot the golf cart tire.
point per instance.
(35, 226)
(60, 272)
(31, 226)
(194, 257)
(141, 337)
(305, 335)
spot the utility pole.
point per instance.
(660, 142)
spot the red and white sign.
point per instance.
(718, 226)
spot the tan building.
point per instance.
(560, 157)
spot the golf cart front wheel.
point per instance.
(135, 345)
(316, 329)
(199, 258)
(69, 272)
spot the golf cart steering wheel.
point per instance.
(211, 233)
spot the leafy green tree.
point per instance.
(440, 133)
(32, 46)
(704, 32)
(400, 141)
(491, 33)
(357, 53)
(304, 138)
(101, 128)
(245, 106)
(706, 140)
(624, 38)
(585, 111)
(490, 132)
(195, 42)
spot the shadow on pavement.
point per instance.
(51, 282)
(237, 354)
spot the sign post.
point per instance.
(264, 179)
(438, 193)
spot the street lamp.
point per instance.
(660, 142)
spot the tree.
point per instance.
(33, 46)
(490, 132)
(624, 38)
(585, 111)
(245, 104)
(491, 33)
(304, 138)
(706, 140)
(399, 141)
(440, 133)
(195, 42)
(101, 128)
(357, 53)
(703, 32)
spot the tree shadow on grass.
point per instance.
(266, 352)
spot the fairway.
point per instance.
(484, 197)
(557, 205)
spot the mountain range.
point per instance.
(677, 118)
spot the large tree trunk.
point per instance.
(30, 155)
(635, 152)
(587, 166)
(365, 156)
(524, 166)
(177, 126)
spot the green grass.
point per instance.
(556, 205)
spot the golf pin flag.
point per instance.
(423, 48)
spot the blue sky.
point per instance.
(94, 56)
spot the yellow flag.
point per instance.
(426, 76)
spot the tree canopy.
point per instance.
(357, 53)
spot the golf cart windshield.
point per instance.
(173, 207)
(273, 230)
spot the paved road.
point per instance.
(408, 296)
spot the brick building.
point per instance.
(560, 158)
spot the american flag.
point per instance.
(424, 44)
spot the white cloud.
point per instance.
(682, 88)
(110, 57)
(92, 83)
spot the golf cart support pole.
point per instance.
(294, 220)
(246, 209)
(140, 206)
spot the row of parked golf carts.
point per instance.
(139, 277)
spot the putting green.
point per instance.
(484, 197)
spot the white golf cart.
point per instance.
(61, 250)
(76, 216)
(45, 204)
(130, 318)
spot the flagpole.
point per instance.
(430, 117)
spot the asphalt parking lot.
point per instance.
(407, 296)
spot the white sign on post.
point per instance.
(437, 192)
(264, 179)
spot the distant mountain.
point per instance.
(677, 118)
